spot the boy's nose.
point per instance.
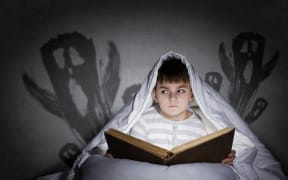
(172, 96)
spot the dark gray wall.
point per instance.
(42, 119)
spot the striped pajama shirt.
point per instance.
(158, 130)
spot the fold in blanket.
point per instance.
(253, 160)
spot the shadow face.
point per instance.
(130, 92)
(245, 72)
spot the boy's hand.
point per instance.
(230, 158)
(107, 154)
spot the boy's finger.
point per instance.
(228, 160)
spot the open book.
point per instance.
(213, 147)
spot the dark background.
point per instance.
(38, 123)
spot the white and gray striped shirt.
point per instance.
(158, 130)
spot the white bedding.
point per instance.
(101, 168)
(253, 161)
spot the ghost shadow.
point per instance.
(245, 71)
(83, 92)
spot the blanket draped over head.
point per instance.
(253, 160)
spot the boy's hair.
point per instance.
(172, 70)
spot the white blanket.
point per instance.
(101, 168)
(253, 160)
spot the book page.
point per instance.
(141, 144)
(201, 140)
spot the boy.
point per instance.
(171, 122)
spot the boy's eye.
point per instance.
(181, 91)
(163, 91)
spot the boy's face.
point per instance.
(173, 99)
